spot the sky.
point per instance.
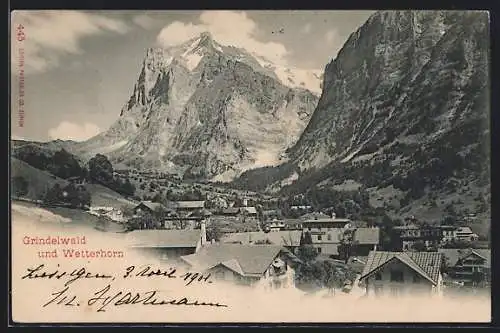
(72, 71)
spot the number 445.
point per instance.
(20, 35)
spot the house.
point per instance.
(248, 211)
(275, 226)
(272, 214)
(448, 233)
(410, 235)
(324, 223)
(402, 273)
(468, 265)
(167, 244)
(185, 207)
(365, 240)
(466, 234)
(288, 239)
(267, 266)
(230, 211)
(149, 207)
(292, 224)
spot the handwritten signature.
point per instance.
(106, 297)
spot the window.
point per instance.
(329, 237)
(319, 237)
(395, 292)
(319, 250)
(378, 276)
(397, 276)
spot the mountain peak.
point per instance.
(205, 35)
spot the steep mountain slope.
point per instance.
(404, 112)
(203, 110)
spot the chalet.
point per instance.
(468, 265)
(448, 233)
(230, 211)
(455, 233)
(288, 239)
(365, 240)
(185, 207)
(267, 266)
(402, 274)
(149, 207)
(321, 223)
(327, 242)
(167, 244)
(409, 235)
(466, 234)
(275, 225)
(248, 211)
(293, 224)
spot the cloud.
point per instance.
(331, 36)
(228, 28)
(71, 131)
(50, 34)
(145, 21)
(306, 28)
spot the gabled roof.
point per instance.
(367, 235)
(252, 259)
(151, 205)
(454, 255)
(464, 230)
(200, 213)
(426, 264)
(163, 238)
(283, 238)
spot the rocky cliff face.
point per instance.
(402, 74)
(404, 109)
(205, 110)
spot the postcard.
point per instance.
(250, 167)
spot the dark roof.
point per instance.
(251, 259)
(426, 264)
(163, 238)
(454, 255)
(283, 238)
(367, 235)
(200, 213)
(151, 205)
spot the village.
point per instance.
(314, 251)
